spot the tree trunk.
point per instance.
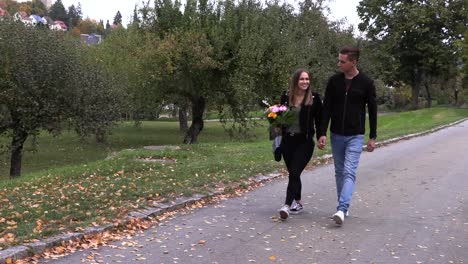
(415, 89)
(19, 137)
(415, 96)
(183, 121)
(198, 108)
(428, 94)
(455, 95)
(101, 136)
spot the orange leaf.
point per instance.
(38, 227)
(11, 223)
(10, 237)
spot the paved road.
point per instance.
(410, 206)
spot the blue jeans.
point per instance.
(346, 153)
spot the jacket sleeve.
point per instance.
(326, 110)
(318, 116)
(372, 110)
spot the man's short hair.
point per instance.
(352, 52)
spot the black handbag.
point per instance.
(276, 148)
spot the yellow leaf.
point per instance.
(9, 261)
(59, 250)
(272, 258)
(10, 237)
(38, 227)
(12, 222)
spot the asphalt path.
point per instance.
(410, 206)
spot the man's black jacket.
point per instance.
(347, 109)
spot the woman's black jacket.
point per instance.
(310, 116)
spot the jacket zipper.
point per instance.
(344, 112)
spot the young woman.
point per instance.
(297, 144)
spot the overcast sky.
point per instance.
(106, 9)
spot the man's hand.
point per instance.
(322, 142)
(371, 145)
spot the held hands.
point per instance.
(371, 145)
(322, 142)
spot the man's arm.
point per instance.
(372, 110)
(326, 109)
(326, 113)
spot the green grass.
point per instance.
(68, 149)
(68, 184)
(397, 124)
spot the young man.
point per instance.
(346, 97)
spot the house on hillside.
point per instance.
(37, 20)
(3, 13)
(48, 20)
(58, 25)
(91, 39)
(115, 26)
(23, 17)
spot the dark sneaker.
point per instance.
(296, 208)
(284, 212)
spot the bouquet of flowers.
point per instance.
(280, 116)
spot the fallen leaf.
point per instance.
(38, 228)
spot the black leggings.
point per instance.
(297, 152)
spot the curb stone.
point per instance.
(40, 246)
(9, 255)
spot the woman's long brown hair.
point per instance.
(293, 87)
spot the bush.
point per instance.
(402, 96)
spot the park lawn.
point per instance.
(73, 192)
(404, 123)
(69, 149)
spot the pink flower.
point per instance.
(283, 108)
(275, 109)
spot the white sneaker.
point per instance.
(284, 212)
(347, 213)
(338, 217)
